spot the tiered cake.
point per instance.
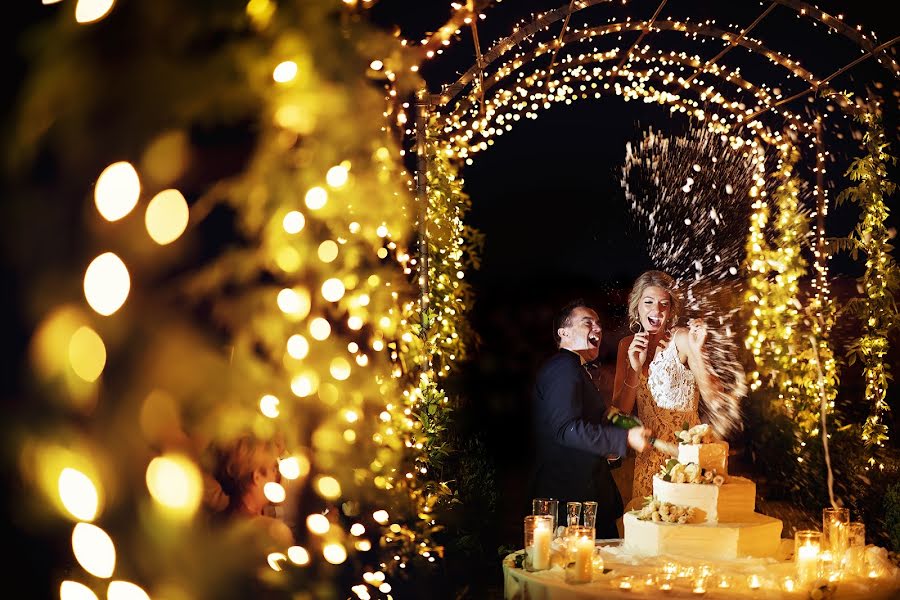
(718, 520)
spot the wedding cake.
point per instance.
(698, 510)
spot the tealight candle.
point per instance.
(625, 583)
(724, 582)
(873, 574)
(699, 586)
(670, 568)
(754, 582)
(788, 584)
(665, 583)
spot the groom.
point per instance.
(572, 440)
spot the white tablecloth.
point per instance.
(520, 584)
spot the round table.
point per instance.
(629, 576)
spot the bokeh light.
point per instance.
(175, 483)
(94, 550)
(106, 284)
(117, 191)
(167, 216)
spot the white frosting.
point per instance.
(709, 456)
(731, 502)
(756, 535)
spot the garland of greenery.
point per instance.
(778, 332)
(877, 310)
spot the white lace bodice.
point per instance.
(671, 383)
(667, 398)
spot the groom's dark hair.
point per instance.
(563, 317)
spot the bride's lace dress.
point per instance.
(667, 398)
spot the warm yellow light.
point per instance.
(328, 251)
(274, 492)
(293, 222)
(377, 65)
(363, 545)
(72, 590)
(297, 346)
(87, 354)
(294, 467)
(294, 302)
(287, 259)
(305, 384)
(268, 405)
(380, 516)
(285, 71)
(106, 284)
(94, 550)
(337, 176)
(328, 488)
(78, 494)
(125, 590)
(175, 482)
(298, 555)
(320, 328)
(333, 289)
(117, 191)
(334, 553)
(357, 529)
(318, 524)
(167, 216)
(340, 368)
(90, 11)
(275, 559)
(316, 198)
(355, 323)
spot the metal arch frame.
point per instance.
(543, 21)
(686, 28)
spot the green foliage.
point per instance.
(892, 515)
(876, 311)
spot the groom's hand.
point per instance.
(639, 438)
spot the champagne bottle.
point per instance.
(619, 419)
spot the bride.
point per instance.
(661, 369)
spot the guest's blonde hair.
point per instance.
(244, 457)
(655, 279)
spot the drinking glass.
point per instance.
(590, 514)
(573, 510)
(546, 506)
(835, 525)
(855, 558)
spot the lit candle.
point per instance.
(807, 563)
(699, 586)
(584, 559)
(788, 584)
(873, 574)
(540, 558)
(665, 585)
(724, 582)
(754, 582)
(625, 583)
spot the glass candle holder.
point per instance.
(753, 582)
(807, 547)
(590, 514)
(855, 559)
(546, 506)
(835, 525)
(665, 583)
(573, 513)
(788, 584)
(579, 554)
(538, 539)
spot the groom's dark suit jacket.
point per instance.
(572, 444)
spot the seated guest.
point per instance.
(246, 465)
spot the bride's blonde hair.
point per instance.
(656, 279)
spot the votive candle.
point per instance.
(807, 545)
(543, 537)
(754, 582)
(583, 568)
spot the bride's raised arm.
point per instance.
(627, 379)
